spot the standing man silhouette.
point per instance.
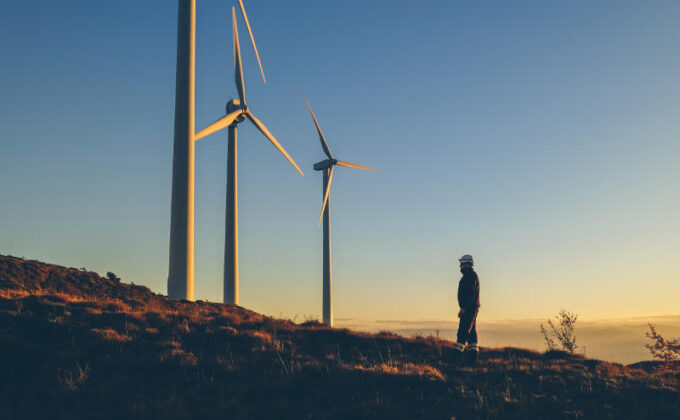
(468, 300)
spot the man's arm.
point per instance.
(474, 295)
(466, 295)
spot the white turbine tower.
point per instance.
(327, 167)
(181, 270)
(237, 111)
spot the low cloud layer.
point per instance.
(620, 340)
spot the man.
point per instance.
(468, 300)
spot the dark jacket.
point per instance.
(468, 290)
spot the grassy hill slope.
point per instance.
(74, 345)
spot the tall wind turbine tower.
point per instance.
(237, 111)
(181, 272)
(327, 167)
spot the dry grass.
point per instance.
(109, 334)
(408, 368)
(128, 353)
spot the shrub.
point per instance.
(662, 349)
(72, 380)
(112, 276)
(312, 323)
(561, 333)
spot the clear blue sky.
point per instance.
(541, 137)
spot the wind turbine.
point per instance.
(237, 111)
(181, 270)
(327, 167)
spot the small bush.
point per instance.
(112, 276)
(561, 334)
(72, 380)
(667, 351)
(312, 323)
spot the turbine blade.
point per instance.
(252, 39)
(356, 166)
(324, 144)
(238, 69)
(325, 197)
(272, 139)
(218, 125)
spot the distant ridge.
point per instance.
(75, 345)
(34, 277)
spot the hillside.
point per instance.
(74, 345)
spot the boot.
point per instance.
(457, 353)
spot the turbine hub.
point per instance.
(235, 105)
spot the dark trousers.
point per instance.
(467, 328)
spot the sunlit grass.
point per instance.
(226, 359)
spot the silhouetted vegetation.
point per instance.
(561, 334)
(662, 349)
(74, 345)
(112, 276)
(71, 380)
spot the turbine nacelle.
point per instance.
(325, 164)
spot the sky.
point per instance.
(540, 137)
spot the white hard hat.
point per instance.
(466, 259)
